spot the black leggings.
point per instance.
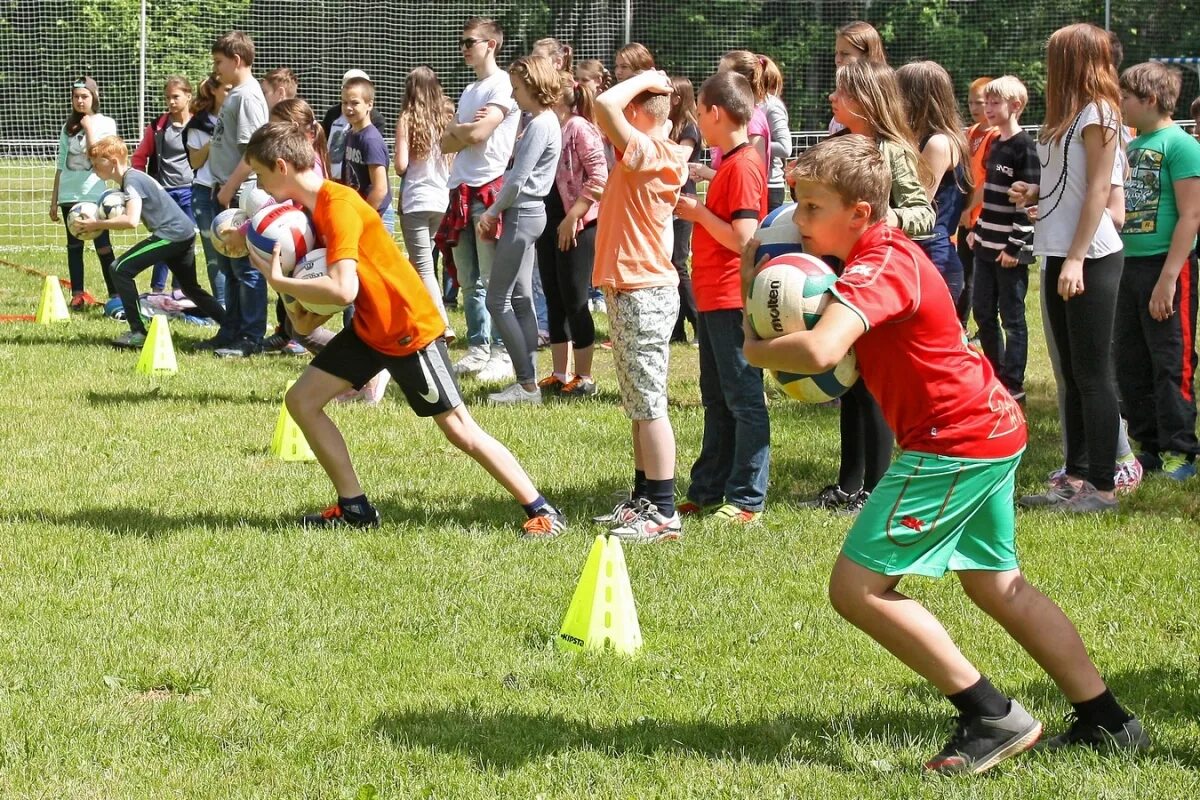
(566, 278)
(1083, 332)
(682, 229)
(75, 255)
(180, 258)
(866, 441)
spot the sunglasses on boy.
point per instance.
(466, 43)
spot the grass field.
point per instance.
(166, 632)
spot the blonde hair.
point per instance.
(592, 70)
(772, 77)
(852, 166)
(555, 51)
(538, 73)
(873, 86)
(426, 112)
(1009, 89)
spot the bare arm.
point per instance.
(379, 184)
(400, 157)
(610, 105)
(460, 136)
(130, 219)
(808, 352)
(1187, 200)
(54, 196)
(938, 159)
(198, 157)
(1100, 144)
(732, 235)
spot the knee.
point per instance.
(299, 404)
(847, 599)
(104, 250)
(496, 303)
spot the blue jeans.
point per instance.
(945, 258)
(736, 448)
(182, 195)
(245, 298)
(473, 260)
(203, 211)
(1000, 292)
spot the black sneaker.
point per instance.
(981, 743)
(241, 349)
(831, 498)
(337, 517)
(856, 502)
(215, 343)
(1130, 736)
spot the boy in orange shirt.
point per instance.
(633, 268)
(979, 140)
(395, 327)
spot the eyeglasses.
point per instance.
(466, 43)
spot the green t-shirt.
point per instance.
(1156, 161)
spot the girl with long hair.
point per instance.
(1081, 248)
(209, 98)
(425, 170)
(933, 112)
(76, 181)
(781, 132)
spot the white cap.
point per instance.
(355, 73)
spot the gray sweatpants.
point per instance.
(510, 290)
(418, 228)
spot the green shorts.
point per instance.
(932, 513)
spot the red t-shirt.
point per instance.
(938, 395)
(393, 312)
(738, 191)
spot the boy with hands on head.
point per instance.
(633, 268)
(947, 502)
(396, 327)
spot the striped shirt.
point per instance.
(1002, 227)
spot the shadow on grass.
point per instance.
(29, 339)
(141, 521)
(158, 394)
(508, 739)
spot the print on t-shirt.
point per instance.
(1142, 191)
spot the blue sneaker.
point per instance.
(1176, 466)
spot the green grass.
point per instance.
(165, 632)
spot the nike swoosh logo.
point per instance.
(431, 394)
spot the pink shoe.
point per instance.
(371, 393)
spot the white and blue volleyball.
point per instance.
(778, 234)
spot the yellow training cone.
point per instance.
(52, 308)
(288, 442)
(158, 353)
(602, 613)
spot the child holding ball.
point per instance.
(395, 327)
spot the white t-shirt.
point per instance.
(424, 187)
(482, 163)
(1063, 186)
(197, 138)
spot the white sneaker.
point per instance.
(516, 394)
(648, 525)
(475, 360)
(498, 368)
(372, 393)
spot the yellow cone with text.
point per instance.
(52, 308)
(289, 443)
(158, 353)
(602, 613)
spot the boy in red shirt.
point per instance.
(395, 327)
(947, 502)
(730, 474)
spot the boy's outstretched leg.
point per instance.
(991, 727)
(1040, 626)
(306, 402)
(544, 520)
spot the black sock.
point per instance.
(533, 509)
(357, 506)
(662, 494)
(639, 485)
(1104, 711)
(980, 700)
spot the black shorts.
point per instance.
(425, 376)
